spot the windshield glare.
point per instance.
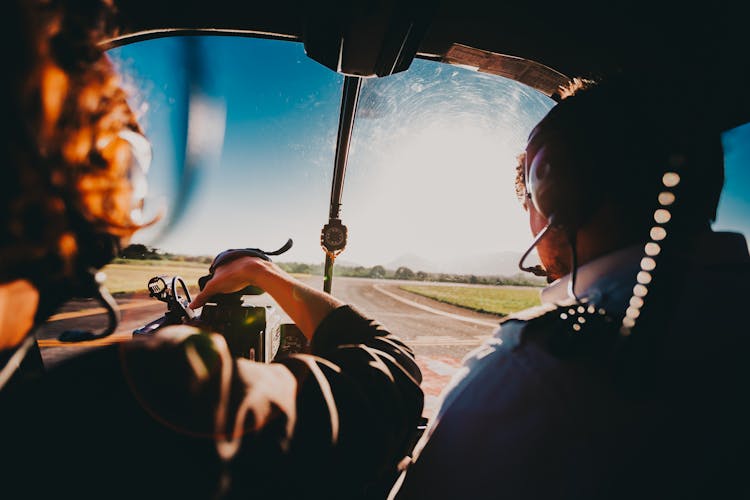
(430, 179)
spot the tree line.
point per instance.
(405, 273)
(143, 252)
(137, 251)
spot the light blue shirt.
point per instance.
(519, 422)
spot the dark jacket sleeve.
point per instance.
(176, 416)
(343, 420)
(358, 404)
(358, 393)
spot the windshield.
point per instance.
(431, 173)
(243, 133)
(263, 120)
(243, 137)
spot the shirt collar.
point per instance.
(714, 247)
(623, 260)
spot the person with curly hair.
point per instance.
(66, 194)
(173, 416)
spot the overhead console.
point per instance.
(366, 39)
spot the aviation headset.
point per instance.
(560, 183)
(640, 129)
(98, 247)
(560, 190)
(85, 281)
(573, 160)
(672, 169)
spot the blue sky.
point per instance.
(430, 170)
(734, 207)
(272, 179)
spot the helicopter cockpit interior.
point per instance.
(370, 149)
(393, 127)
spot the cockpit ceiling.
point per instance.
(702, 49)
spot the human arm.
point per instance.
(351, 407)
(320, 425)
(305, 306)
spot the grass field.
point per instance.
(496, 300)
(133, 277)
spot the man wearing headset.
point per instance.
(630, 380)
(174, 416)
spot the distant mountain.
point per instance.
(497, 263)
(413, 262)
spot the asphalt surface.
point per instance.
(440, 334)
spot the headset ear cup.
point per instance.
(541, 189)
(559, 191)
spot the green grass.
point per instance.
(133, 277)
(495, 300)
